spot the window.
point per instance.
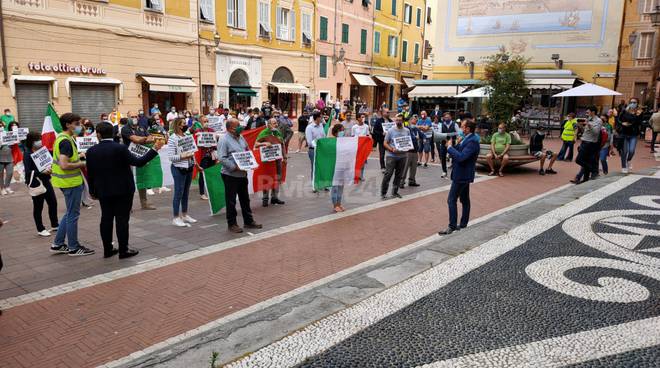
(645, 46)
(418, 20)
(344, 33)
(363, 41)
(235, 13)
(647, 6)
(286, 24)
(306, 28)
(323, 66)
(207, 10)
(394, 7)
(377, 5)
(392, 46)
(416, 54)
(376, 42)
(264, 19)
(404, 51)
(323, 32)
(407, 13)
(156, 5)
(428, 15)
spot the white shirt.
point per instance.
(171, 116)
(360, 130)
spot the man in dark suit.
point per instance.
(111, 182)
(464, 157)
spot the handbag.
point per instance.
(38, 190)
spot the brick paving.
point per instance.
(105, 322)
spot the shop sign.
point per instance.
(65, 68)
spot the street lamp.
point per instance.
(632, 37)
(216, 38)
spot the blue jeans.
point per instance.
(181, 188)
(310, 154)
(604, 152)
(336, 194)
(459, 191)
(566, 147)
(68, 228)
(629, 144)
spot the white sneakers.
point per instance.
(44, 233)
(624, 170)
(189, 219)
(164, 189)
(9, 191)
(150, 192)
(444, 175)
(3, 191)
(204, 197)
(178, 221)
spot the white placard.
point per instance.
(206, 139)
(187, 144)
(22, 133)
(9, 138)
(42, 159)
(272, 153)
(215, 124)
(387, 126)
(404, 143)
(138, 150)
(84, 143)
(245, 160)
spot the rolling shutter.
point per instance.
(90, 100)
(32, 100)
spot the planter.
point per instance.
(518, 155)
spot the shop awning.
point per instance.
(587, 90)
(32, 78)
(87, 80)
(293, 88)
(364, 80)
(170, 84)
(243, 91)
(482, 92)
(435, 91)
(554, 83)
(387, 80)
(409, 82)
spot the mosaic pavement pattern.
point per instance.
(578, 286)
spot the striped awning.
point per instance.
(364, 80)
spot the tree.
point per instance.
(505, 76)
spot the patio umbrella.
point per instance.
(482, 92)
(588, 90)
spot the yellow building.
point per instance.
(265, 52)
(90, 57)
(414, 21)
(388, 18)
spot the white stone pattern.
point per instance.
(154, 19)
(30, 3)
(550, 272)
(324, 334)
(87, 8)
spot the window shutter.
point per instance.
(653, 43)
(636, 47)
(231, 11)
(206, 8)
(363, 41)
(323, 66)
(377, 42)
(393, 7)
(156, 5)
(323, 34)
(278, 22)
(292, 33)
(378, 4)
(396, 46)
(344, 33)
(416, 55)
(404, 51)
(240, 14)
(419, 17)
(640, 6)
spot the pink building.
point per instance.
(344, 50)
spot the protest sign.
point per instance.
(8, 138)
(138, 150)
(403, 143)
(187, 144)
(215, 124)
(206, 139)
(272, 153)
(22, 133)
(245, 160)
(84, 143)
(42, 159)
(387, 125)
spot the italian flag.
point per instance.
(338, 161)
(51, 127)
(215, 188)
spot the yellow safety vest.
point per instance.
(61, 178)
(568, 134)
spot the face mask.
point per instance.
(632, 105)
(38, 144)
(239, 129)
(77, 130)
(184, 128)
(340, 134)
(500, 130)
(8, 113)
(173, 110)
(211, 112)
(540, 132)
(399, 124)
(141, 113)
(134, 121)
(89, 131)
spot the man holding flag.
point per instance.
(313, 132)
(149, 176)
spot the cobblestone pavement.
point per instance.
(185, 279)
(579, 285)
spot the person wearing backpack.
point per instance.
(606, 142)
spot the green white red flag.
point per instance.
(51, 127)
(338, 161)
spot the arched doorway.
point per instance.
(286, 102)
(239, 90)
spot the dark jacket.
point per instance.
(109, 169)
(30, 167)
(464, 157)
(634, 120)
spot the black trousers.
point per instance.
(237, 187)
(38, 207)
(115, 210)
(395, 166)
(381, 151)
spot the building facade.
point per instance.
(265, 53)
(639, 62)
(90, 57)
